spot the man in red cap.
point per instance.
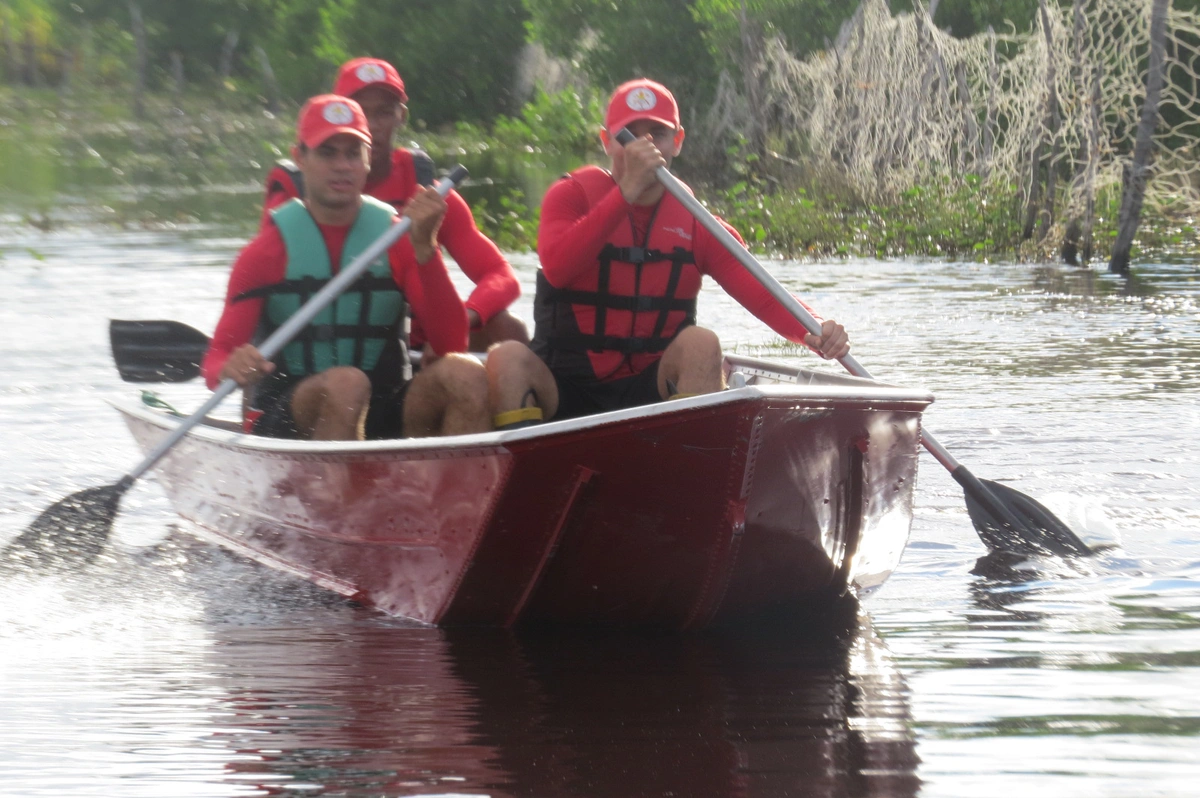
(346, 375)
(396, 173)
(622, 263)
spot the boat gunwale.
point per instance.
(843, 390)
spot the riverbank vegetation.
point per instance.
(951, 141)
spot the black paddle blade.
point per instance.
(72, 531)
(1012, 522)
(156, 351)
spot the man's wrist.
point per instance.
(423, 252)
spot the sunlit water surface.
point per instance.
(171, 668)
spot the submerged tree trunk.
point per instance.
(1135, 189)
(268, 74)
(1047, 129)
(1089, 185)
(1034, 187)
(751, 66)
(67, 59)
(139, 63)
(85, 56)
(12, 57)
(989, 119)
(1070, 244)
(225, 67)
(1053, 123)
(33, 74)
(177, 79)
(970, 145)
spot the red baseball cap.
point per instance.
(356, 75)
(641, 99)
(327, 115)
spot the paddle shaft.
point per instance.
(781, 294)
(297, 322)
(768, 281)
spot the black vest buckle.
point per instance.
(637, 346)
(644, 304)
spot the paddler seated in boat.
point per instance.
(396, 174)
(347, 375)
(622, 263)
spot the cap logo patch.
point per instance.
(641, 99)
(370, 73)
(338, 114)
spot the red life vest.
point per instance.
(617, 320)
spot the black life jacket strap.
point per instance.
(601, 293)
(307, 286)
(363, 329)
(308, 335)
(578, 342)
(331, 332)
(639, 255)
(672, 287)
(636, 304)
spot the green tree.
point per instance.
(294, 45)
(968, 17)
(195, 29)
(458, 57)
(615, 40)
(805, 24)
(26, 23)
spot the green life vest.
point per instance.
(355, 328)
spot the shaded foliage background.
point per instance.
(463, 59)
(519, 76)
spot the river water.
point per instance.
(172, 668)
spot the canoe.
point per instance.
(784, 492)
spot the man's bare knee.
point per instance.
(459, 374)
(448, 398)
(510, 357)
(332, 404)
(700, 342)
(514, 372)
(691, 364)
(504, 326)
(343, 383)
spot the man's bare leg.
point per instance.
(504, 326)
(513, 370)
(332, 405)
(691, 364)
(449, 397)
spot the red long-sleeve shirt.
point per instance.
(496, 285)
(571, 236)
(427, 288)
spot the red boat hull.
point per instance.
(676, 515)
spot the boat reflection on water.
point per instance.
(371, 708)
